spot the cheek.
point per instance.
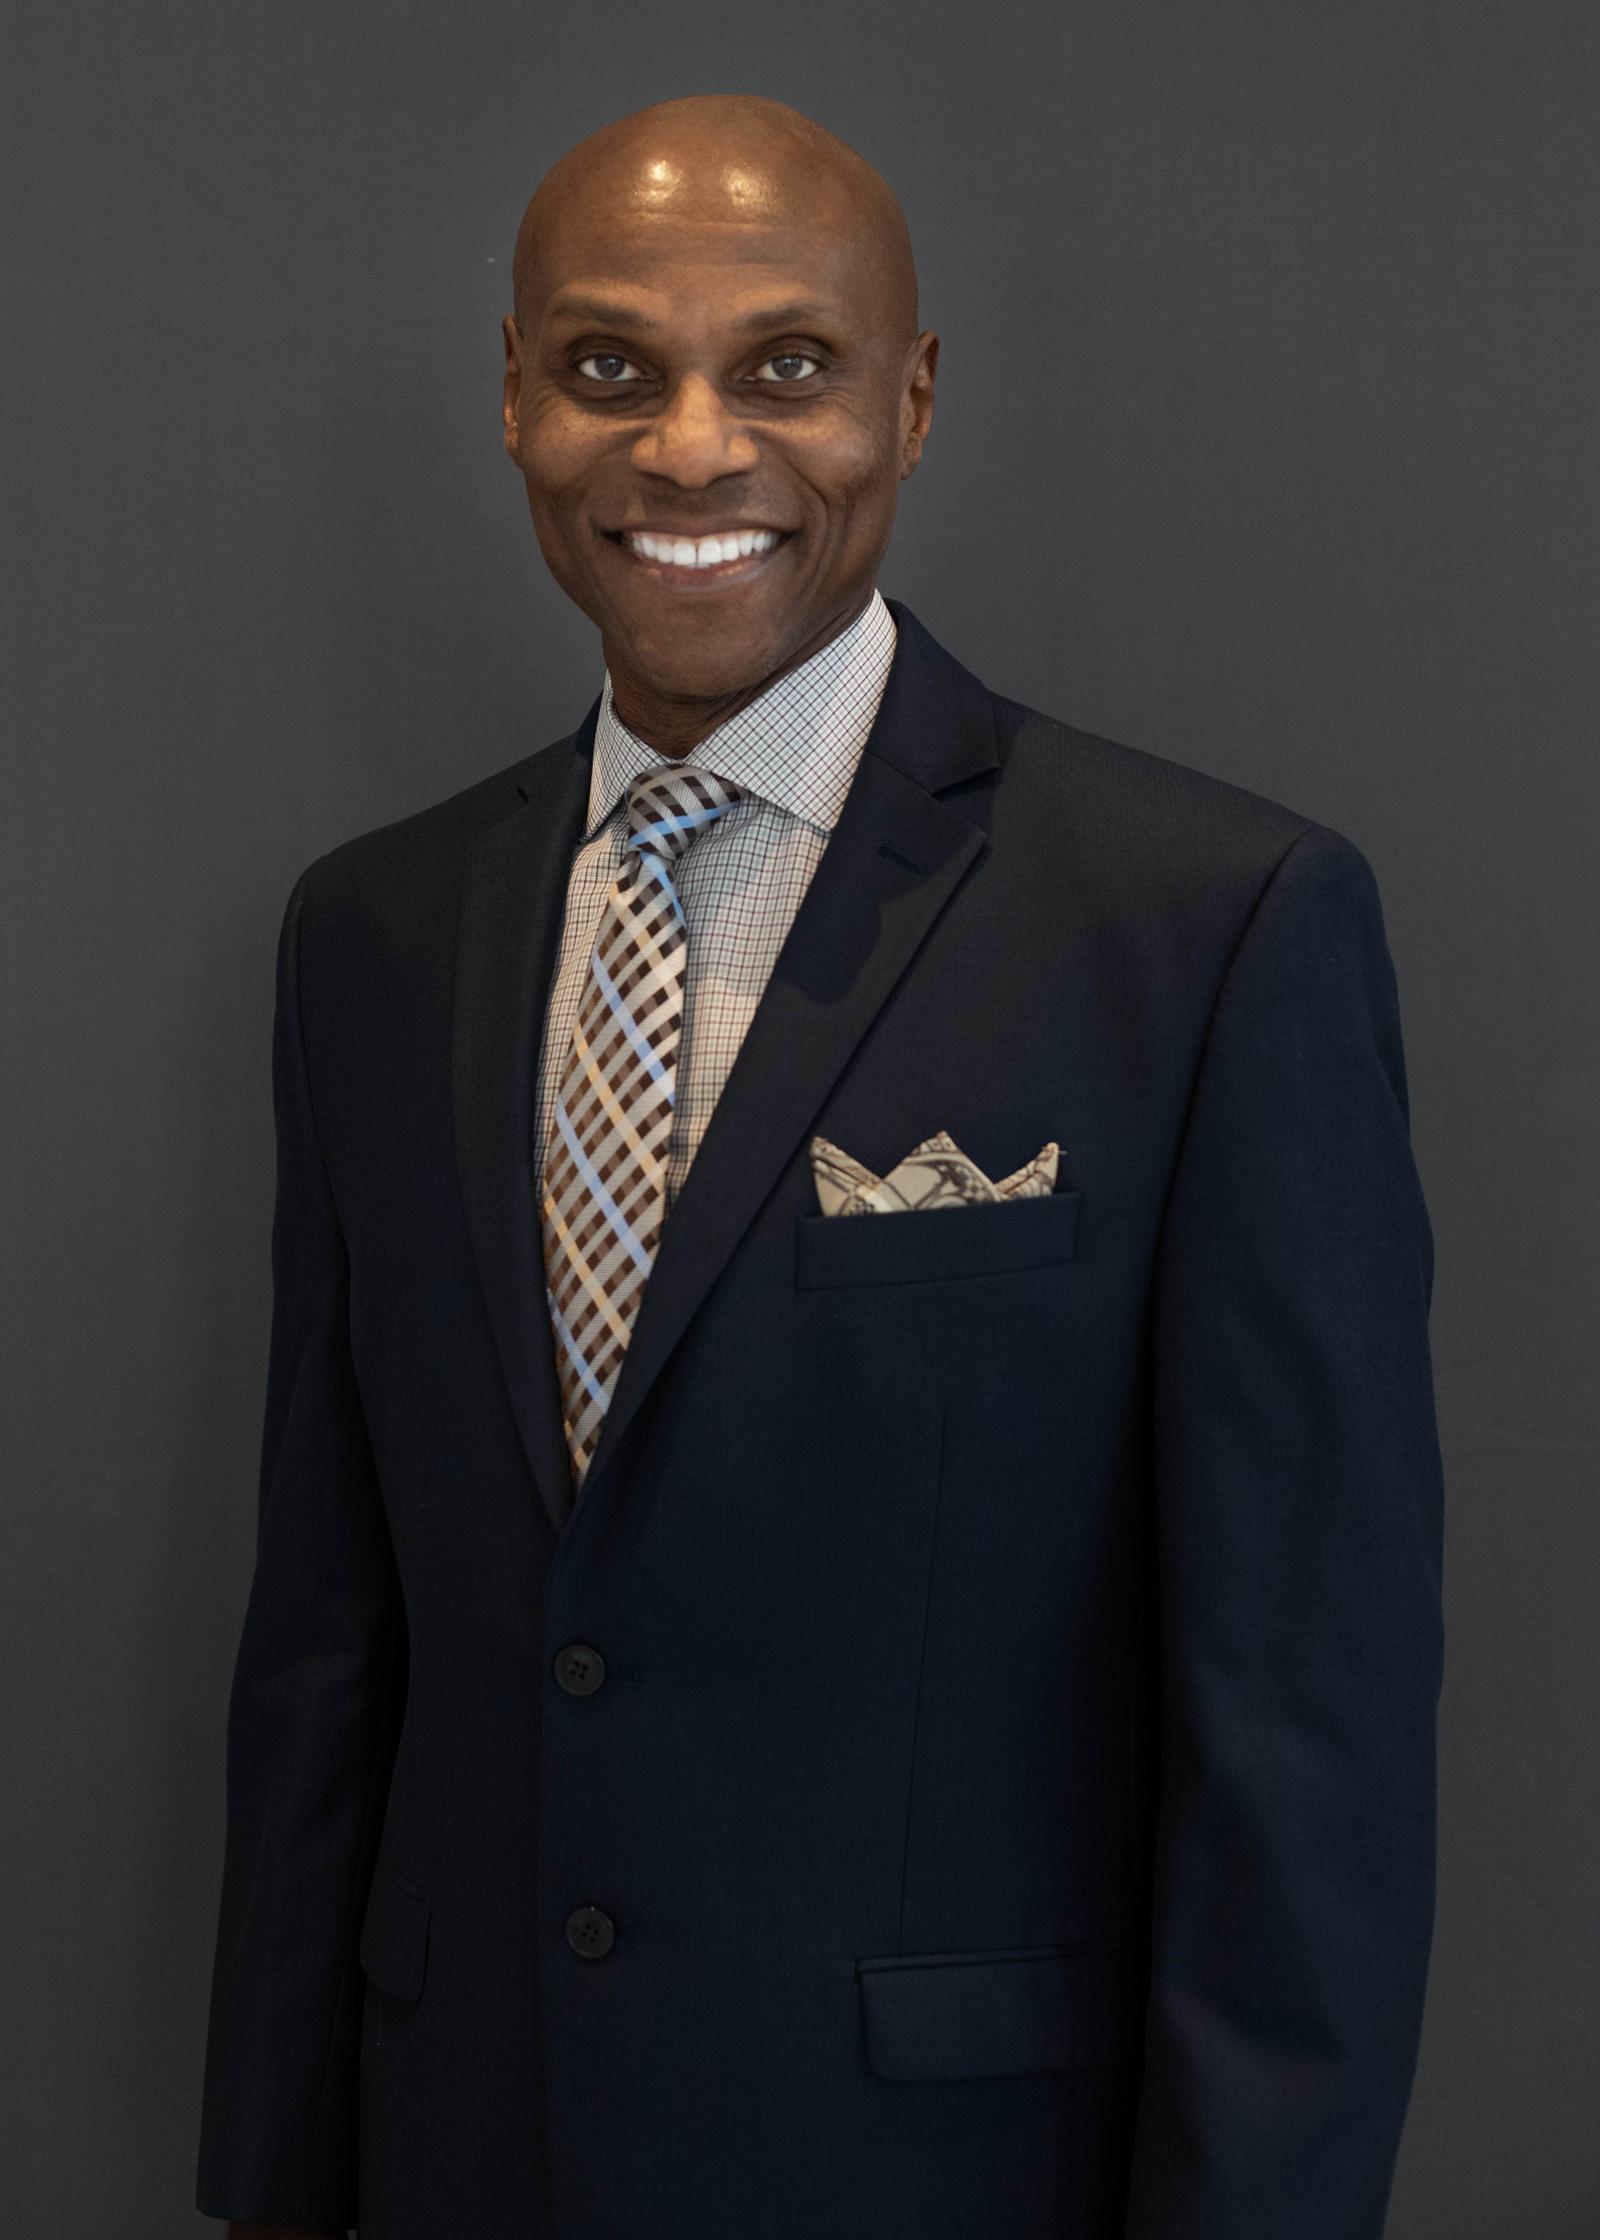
(851, 462)
(557, 451)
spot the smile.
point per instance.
(690, 563)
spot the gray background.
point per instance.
(1265, 439)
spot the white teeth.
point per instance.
(708, 552)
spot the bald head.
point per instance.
(714, 389)
(735, 161)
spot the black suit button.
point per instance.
(580, 1669)
(590, 1932)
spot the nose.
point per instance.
(694, 439)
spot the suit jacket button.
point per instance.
(580, 1669)
(590, 1932)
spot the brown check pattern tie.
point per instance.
(603, 1197)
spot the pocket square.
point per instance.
(937, 1173)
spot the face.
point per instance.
(701, 362)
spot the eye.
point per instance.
(615, 358)
(792, 357)
(604, 358)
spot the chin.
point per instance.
(701, 681)
(730, 661)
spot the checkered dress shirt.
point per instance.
(794, 749)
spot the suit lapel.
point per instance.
(895, 858)
(512, 908)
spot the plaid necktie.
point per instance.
(603, 1199)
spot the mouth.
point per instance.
(697, 565)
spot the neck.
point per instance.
(676, 723)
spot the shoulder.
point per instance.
(402, 880)
(1089, 776)
(1136, 824)
(437, 836)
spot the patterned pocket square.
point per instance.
(936, 1174)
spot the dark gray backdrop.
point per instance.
(1265, 439)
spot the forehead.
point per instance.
(669, 240)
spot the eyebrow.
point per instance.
(623, 315)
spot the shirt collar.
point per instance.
(796, 745)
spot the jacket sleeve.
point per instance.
(1299, 1526)
(311, 1722)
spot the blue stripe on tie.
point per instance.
(617, 1004)
(595, 1391)
(670, 822)
(660, 877)
(585, 1167)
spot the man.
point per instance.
(846, 1633)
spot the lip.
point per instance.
(695, 582)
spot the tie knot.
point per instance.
(672, 805)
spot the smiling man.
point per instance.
(715, 338)
(846, 1628)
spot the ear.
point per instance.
(916, 403)
(512, 397)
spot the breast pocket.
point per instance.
(936, 1244)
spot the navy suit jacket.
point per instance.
(967, 1764)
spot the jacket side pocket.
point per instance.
(394, 1938)
(937, 2015)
